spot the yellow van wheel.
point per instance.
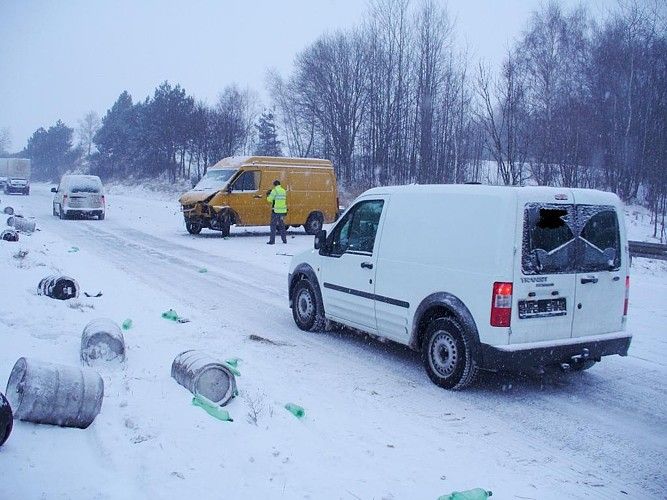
(314, 223)
(193, 227)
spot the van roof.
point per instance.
(539, 192)
(272, 161)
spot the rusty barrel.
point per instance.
(58, 287)
(6, 419)
(9, 235)
(47, 393)
(201, 374)
(102, 340)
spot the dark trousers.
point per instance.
(278, 222)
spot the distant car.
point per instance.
(81, 195)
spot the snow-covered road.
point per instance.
(375, 426)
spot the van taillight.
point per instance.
(64, 199)
(627, 295)
(501, 304)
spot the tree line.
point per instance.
(576, 102)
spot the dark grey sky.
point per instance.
(61, 59)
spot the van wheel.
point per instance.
(55, 214)
(583, 365)
(62, 215)
(193, 227)
(307, 310)
(101, 216)
(447, 354)
(314, 223)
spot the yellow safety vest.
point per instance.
(278, 199)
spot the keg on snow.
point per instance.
(6, 419)
(8, 210)
(102, 340)
(9, 235)
(21, 224)
(201, 374)
(46, 393)
(58, 287)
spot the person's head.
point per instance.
(276, 182)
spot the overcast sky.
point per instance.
(61, 59)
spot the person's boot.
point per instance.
(270, 243)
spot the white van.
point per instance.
(475, 277)
(81, 195)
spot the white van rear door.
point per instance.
(600, 283)
(544, 284)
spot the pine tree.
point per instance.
(267, 140)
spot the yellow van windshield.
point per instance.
(215, 179)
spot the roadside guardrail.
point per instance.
(648, 250)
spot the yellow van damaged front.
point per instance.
(233, 191)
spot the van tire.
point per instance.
(307, 309)
(447, 354)
(100, 216)
(62, 215)
(314, 223)
(193, 227)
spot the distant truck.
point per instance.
(15, 175)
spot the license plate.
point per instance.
(543, 308)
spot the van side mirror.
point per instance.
(229, 188)
(54, 190)
(320, 239)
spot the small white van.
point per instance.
(475, 277)
(81, 195)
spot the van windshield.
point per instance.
(85, 185)
(215, 179)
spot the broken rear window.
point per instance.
(548, 239)
(570, 239)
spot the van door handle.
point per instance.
(258, 196)
(589, 279)
(367, 265)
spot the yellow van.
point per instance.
(234, 190)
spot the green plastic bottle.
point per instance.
(211, 408)
(203, 270)
(127, 324)
(295, 410)
(474, 494)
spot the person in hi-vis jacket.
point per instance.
(277, 197)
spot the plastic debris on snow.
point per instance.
(127, 324)
(203, 270)
(232, 364)
(172, 315)
(474, 494)
(73, 250)
(295, 410)
(211, 408)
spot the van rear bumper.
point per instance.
(522, 357)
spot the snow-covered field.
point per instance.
(375, 426)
